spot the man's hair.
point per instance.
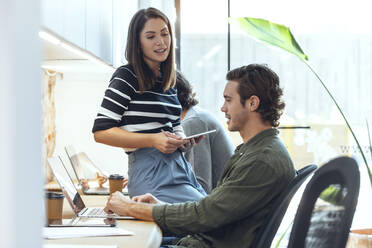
(134, 54)
(184, 92)
(261, 81)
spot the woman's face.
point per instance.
(155, 42)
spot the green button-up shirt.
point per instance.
(229, 217)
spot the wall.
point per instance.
(20, 125)
(77, 99)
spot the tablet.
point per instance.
(200, 134)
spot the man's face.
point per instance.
(235, 112)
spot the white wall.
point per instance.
(77, 99)
(20, 125)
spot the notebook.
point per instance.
(72, 195)
(78, 161)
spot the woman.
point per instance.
(141, 113)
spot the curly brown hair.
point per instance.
(184, 92)
(261, 81)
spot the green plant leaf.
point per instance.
(280, 36)
(271, 33)
(370, 141)
(333, 194)
(282, 236)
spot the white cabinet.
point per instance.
(86, 23)
(99, 29)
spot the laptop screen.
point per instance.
(67, 186)
(85, 170)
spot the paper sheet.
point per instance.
(78, 232)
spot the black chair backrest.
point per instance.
(327, 206)
(266, 233)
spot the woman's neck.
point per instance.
(154, 67)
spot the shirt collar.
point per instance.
(257, 138)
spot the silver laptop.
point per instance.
(72, 195)
(80, 163)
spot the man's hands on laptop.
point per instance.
(121, 205)
(147, 198)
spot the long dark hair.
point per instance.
(134, 55)
(185, 95)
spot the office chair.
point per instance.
(266, 233)
(326, 222)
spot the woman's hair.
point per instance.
(184, 92)
(261, 81)
(134, 55)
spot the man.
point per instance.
(209, 156)
(257, 172)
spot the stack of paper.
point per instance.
(78, 232)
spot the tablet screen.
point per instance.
(200, 134)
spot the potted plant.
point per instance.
(280, 36)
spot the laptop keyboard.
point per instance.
(96, 212)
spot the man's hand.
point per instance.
(121, 205)
(118, 204)
(167, 142)
(147, 198)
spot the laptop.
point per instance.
(80, 161)
(72, 195)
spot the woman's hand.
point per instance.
(167, 142)
(189, 143)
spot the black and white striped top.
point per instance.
(150, 112)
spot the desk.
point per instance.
(147, 234)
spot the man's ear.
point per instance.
(253, 103)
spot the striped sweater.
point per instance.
(125, 107)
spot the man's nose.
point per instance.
(223, 109)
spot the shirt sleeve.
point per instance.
(115, 101)
(178, 130)
(245, 191)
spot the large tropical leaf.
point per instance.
(280, 36)
(272, 33)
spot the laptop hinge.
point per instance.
(82, 212)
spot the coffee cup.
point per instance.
(116, 183)
(54, 205)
